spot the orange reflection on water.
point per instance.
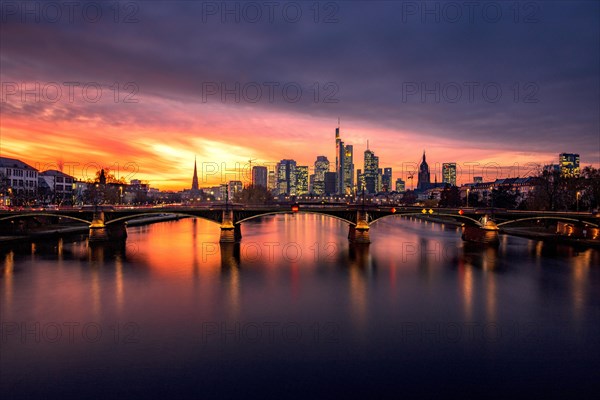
(465, 276)
(579, 281)
(119, 283)
(191, 251)
(9, 266)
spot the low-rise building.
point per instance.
(55, 187)
(18, 181)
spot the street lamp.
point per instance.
(578, 194)
(467, 198)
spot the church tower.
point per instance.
(424, 179)
(195, 188)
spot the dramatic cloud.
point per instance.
(494, 82)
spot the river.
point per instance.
(294, 311)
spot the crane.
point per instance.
(250, 163)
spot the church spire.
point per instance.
(195, 178)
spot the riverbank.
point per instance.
(445, 221)
(550, 237)
(58, 230)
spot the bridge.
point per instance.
(110, 222)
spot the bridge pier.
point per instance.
(359, 233)
(487, 233)
(230, 233)
(100, 232)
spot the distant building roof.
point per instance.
(6, 162)
(53, 172)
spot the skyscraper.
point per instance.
(371, 173)
(386, 180)
(569, 164)
(400, 186)
(360, 181)
(301, 180)
(321, 166)
(344, 165)
(424, 179)
(449, 173)
(330, 183)
(286, 177)
(272, 181)
(259, 176)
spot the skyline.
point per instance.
(380, 71)
(208, 174)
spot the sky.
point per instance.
(142, 88)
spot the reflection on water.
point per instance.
(299, 272)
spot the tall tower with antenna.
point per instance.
(344, 165)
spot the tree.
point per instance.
(450, 197)
(108, 177)
(591, 187)
(554, 191)
(253, 195)
(409, 197)
(546, 193)
(504, 197)
(473, 199)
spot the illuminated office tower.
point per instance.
(449, 173)
(301, 180)
(344, 165)
(371, 173)
(400, 186)
(321, 167)
(569, 164)
(272, 181)
(286, 177)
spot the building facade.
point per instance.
(18, 181)
(371, 172)
(400, 186)
(286, 178)
(569, 164)
(55, 186)
(321, 167)
(344, 165)
(330, 183)
(386, 180)
(301, 180)
(233, 188)
(259, 176)
(449, 173)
